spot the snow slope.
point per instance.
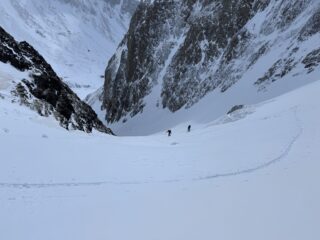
(252, 174)
(76, 37)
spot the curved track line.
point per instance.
(208, 177)
(264, 165)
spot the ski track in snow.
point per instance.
(284, 154)
(265, 165)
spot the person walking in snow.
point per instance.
(189, 128)
(169, 133)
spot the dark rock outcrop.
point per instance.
(235, 108)
(44, 91)
(312, 60)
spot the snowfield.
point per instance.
(253, 174)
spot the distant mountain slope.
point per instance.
(77, 37)
(178, 52)
(25, 75)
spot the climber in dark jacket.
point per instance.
(189, 128)
(169, 133)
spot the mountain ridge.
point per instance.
(197, 48)
(41, 89)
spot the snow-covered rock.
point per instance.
(25, 75)
(177, 52)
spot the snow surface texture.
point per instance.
(252, 174)
(77, 37)
(207, 56)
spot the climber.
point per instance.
(169, 133)
(189, 128)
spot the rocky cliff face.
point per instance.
(43, 90)
(176, 52)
